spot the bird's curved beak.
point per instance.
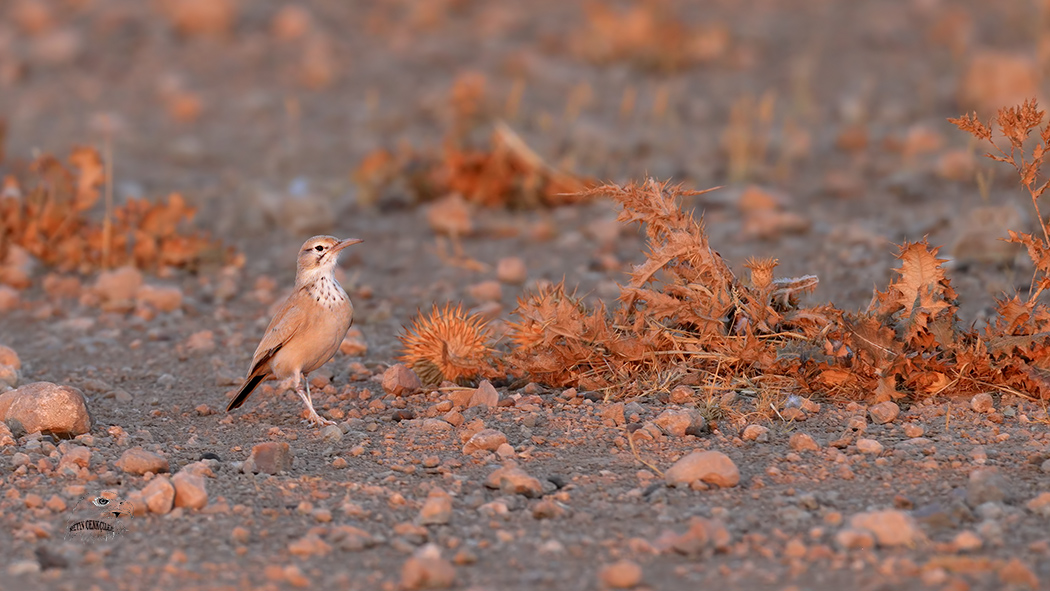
(343, 244)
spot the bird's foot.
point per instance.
(311, 414)
(317, 420)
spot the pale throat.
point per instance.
(322, 287)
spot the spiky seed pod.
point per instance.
(761, 272)
(448, 345)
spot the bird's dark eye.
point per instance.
(318, 248)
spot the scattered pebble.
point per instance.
(486, 439)
(803, 442)
(485, 394)
(512, 480)
(985, 485)
(913, 430)
(712, 467)
(46, 407)
(511, 270)
(159, 495)
(437, 510)
(624, 574)
(9, 357)
(486, 291)
(117, 288)
(758, 433)
(426, 569)
(270, 458)
(399, 380)
(675, 422)
(1040, 505)
(162, 299)
(190, 490)
(982, 403)
(139, 461)
(967, 541)
(891, 527)
(869, 446)
(884, 412)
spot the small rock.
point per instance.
(270, 458)
(857, 423)
(9, 357)
(309, 545)
(675, 422)
(851, 538)
(436, 425)
(757, 433)
(712, 467)
(199, 343)
(913, 430)
(614, 413)
(625, 574)
(511, 270)
(351, 539)
(884, 412)
(682, 394)
(702, 534)
(426, 569)
(437, 510)
(159, 495)
(1016, 573)
(486, 439)
(117, 288)
(75, 457)
(802, 442)
(331, 434)
(512, 480)
(139, 461)
(190, 490)
(966, 541)
(9, 376)
(548, 509)
(485, 394)
(1040, 505)
(890, 527)
(986, 485)
(163, 299)
(869, 446)
(23, 567)
(982, 403)
(353, 345)
(399, 380)
(486, 291)
(46, 407)
(9, 298)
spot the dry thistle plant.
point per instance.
(448, 344)
(683, 312)
(45, 208)
(506, 173)
(648, 35)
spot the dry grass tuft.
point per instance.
(45, 209)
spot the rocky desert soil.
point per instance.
(259, 114)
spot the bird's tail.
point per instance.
(245, 391)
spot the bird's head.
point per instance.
(318, 256)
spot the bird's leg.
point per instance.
(312, 415)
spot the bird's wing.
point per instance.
(285, 323)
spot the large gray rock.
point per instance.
(46, 407)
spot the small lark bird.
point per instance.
(308, 328)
